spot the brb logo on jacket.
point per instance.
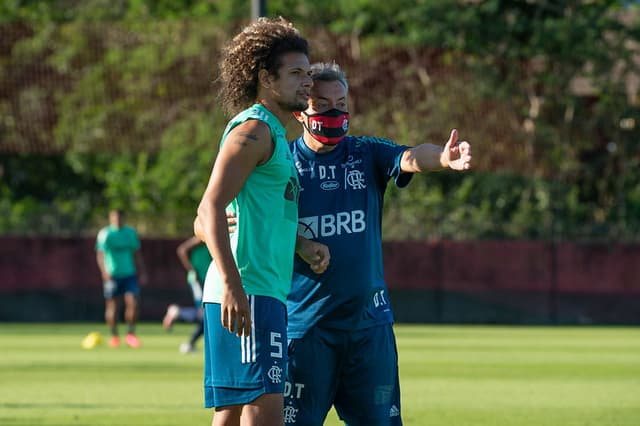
(328, 225)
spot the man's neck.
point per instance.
(274, 108)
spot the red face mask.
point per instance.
(328, 127)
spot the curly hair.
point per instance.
(260, 45)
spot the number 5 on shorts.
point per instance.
(276, 342)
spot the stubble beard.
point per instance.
(293, 106)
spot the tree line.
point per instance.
(113, 104)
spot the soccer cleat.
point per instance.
(92, 340)
(132, 341)
(186, 348)
(173, 311)
(114, 342)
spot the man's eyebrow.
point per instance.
(322, 98)
(298, 69)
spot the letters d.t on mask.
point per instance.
(328, 127)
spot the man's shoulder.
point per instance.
(101, 239)
(367, 146)
(251, 124)
(261, 116)
(253, 131)
(130, 230)
(103, 232)
(370, 141)
(255, 119)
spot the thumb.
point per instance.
(453, 138)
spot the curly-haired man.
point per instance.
(265, 73)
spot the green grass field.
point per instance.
(493, 376)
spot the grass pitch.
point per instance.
(480, 376)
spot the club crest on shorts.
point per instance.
(275, 374)
(290, 414)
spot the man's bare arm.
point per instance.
(245, 147)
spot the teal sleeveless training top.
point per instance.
(119, 246)
(266, 208)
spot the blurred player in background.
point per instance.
(120, 261)
(265, 77)
(342, 349)
(195, 258)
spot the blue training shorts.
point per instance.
(356, 371)
(119, 286)
(238, 370)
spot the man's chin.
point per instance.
(295, 107)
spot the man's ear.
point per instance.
(297, 115)
(264, 78)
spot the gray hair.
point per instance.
(328, 71)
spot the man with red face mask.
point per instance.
(342, 348)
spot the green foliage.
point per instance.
(470, 206)
(42, 195)
(121, 95)
(164, 190)
(115, 10)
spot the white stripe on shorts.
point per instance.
(243, 350)
(253, 330)
(248, 343)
